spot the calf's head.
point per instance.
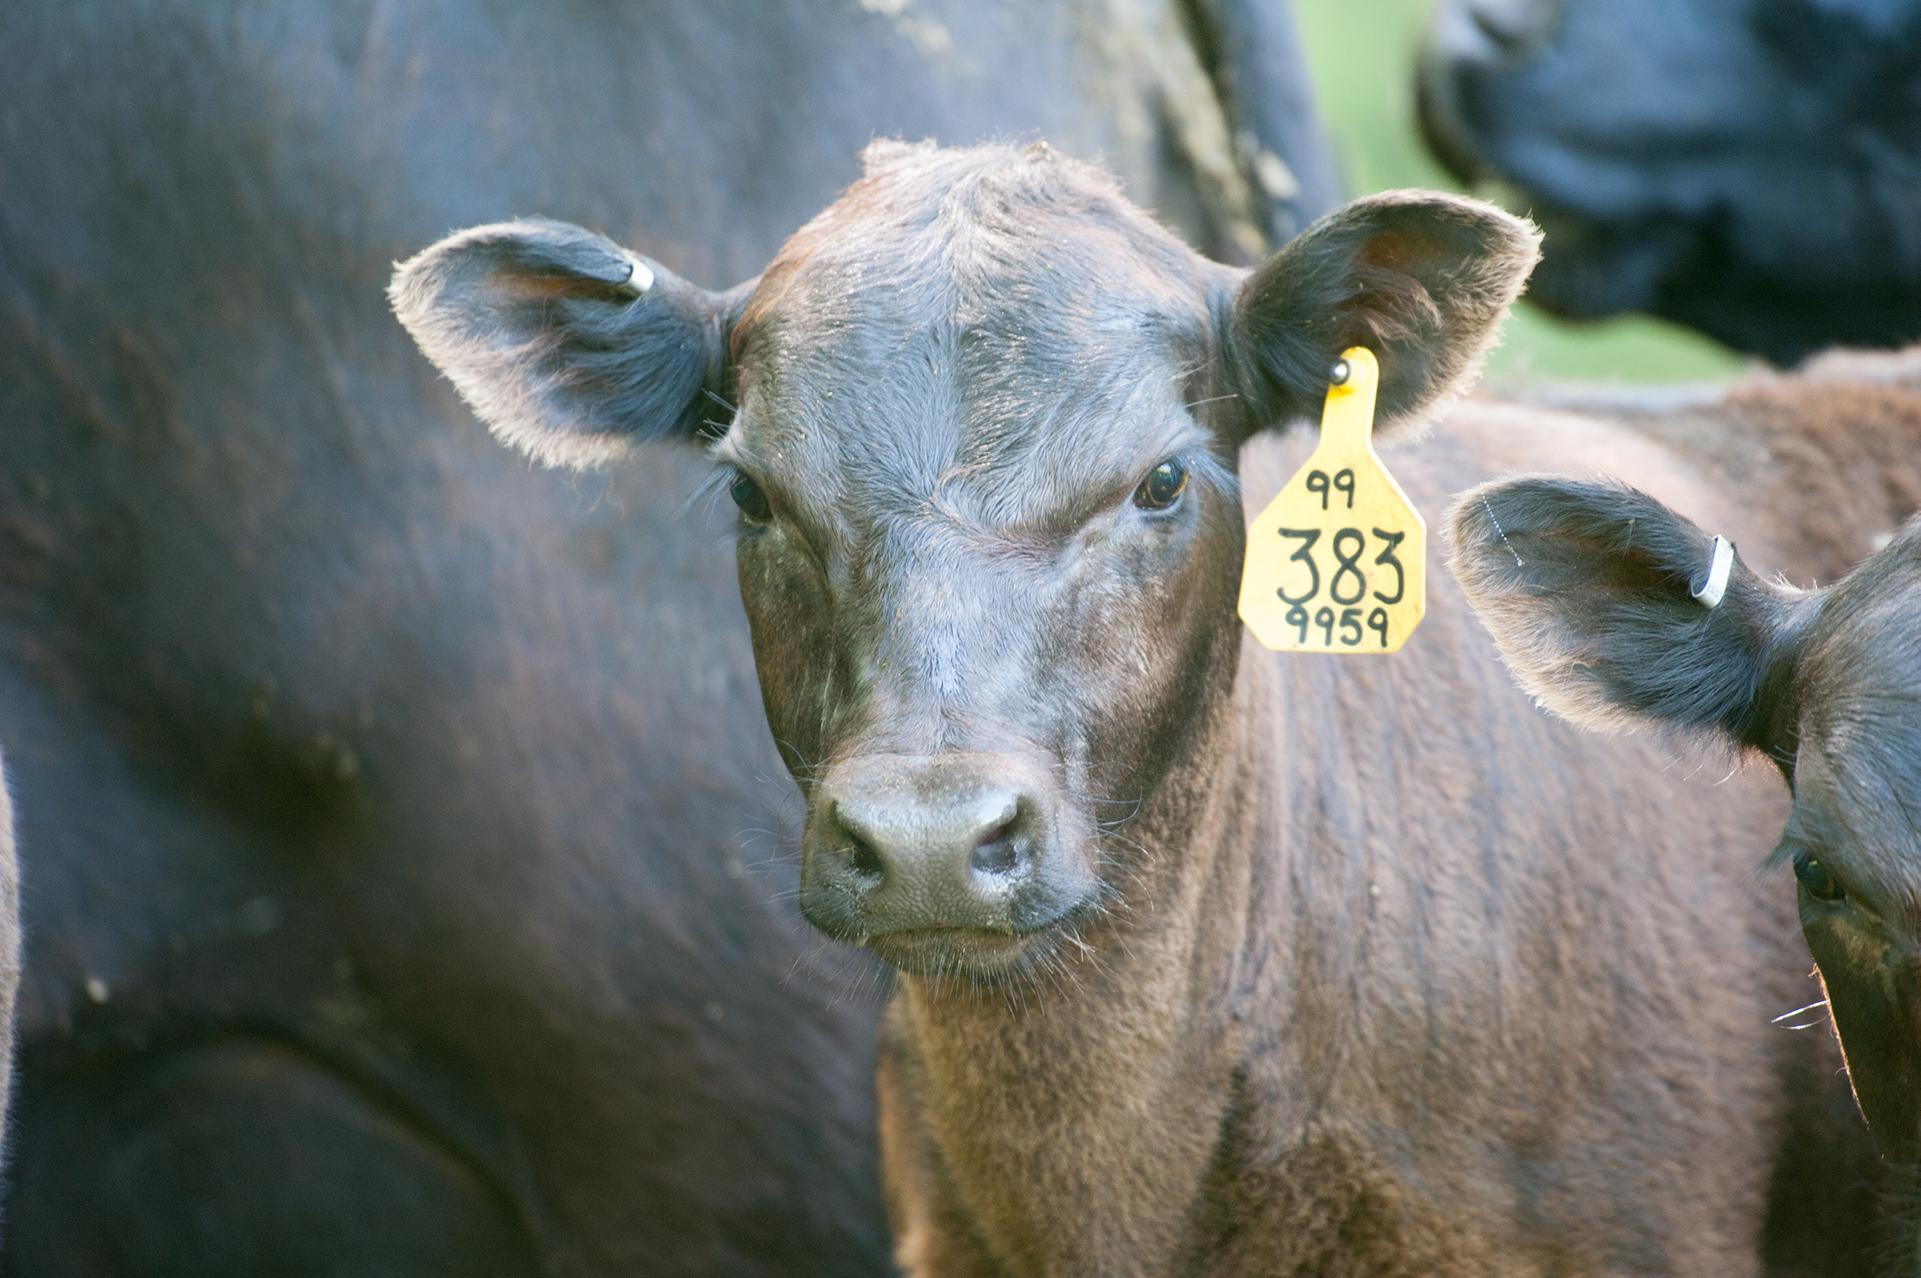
(1589, 590)
(984, 456)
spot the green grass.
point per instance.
(1361, 55)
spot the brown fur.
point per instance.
(1586, 587)
(1386, 972)
(1362, 1000)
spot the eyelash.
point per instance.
(749, 497)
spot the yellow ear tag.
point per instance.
(1338, 560)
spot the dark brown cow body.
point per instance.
(1589, 589)
(1379, 972)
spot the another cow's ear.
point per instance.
(1598, 598)
(1419, 277)
(568, 346)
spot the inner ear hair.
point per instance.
(1591, 592)
(567, 345)
(1420, 277)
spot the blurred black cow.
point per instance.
(394, 900)
(1751, 168)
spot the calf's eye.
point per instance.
(748, 496)
(1163, 486)
(1817, 878)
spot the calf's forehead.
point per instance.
(944, 404)
(915, 351)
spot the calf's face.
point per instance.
(1589, 591)
(980, 420)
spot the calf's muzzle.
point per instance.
(919, 856)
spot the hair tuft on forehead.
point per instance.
(930, 231)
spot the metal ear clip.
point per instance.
(1720, 563)
(640, 278)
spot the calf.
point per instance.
(1605, 604)
(1210, 961)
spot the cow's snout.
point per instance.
(936, 860)
(897, 838)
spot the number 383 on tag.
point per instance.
(1338, 560)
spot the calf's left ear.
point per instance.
(567, 345)
(1419, 277)
(1599, 599)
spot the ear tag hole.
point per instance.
(1337, 563)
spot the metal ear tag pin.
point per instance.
(640, 278)
(1720, 563)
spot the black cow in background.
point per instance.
(1750, 168)
(394, 899)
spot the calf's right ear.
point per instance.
(1599, 598)
(567, 345)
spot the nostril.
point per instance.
(866, 862)
(863, 858)
(996, 853)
